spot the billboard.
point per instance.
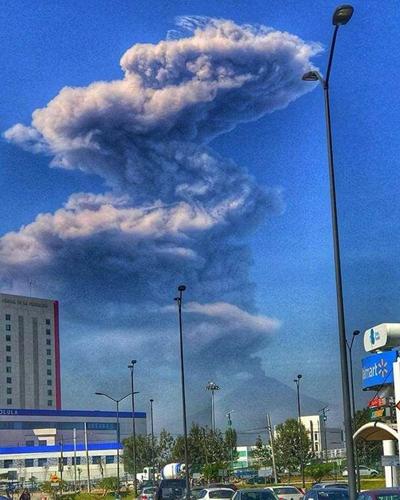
(377, 369)
(385, 335)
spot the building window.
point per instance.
(9, 390)
(65, 460)
(42, 462)
(8, 359)
(29, 443)
(8, 348)
(8, 338)
(8, 317)
(48, 372)
(316, 446)
(48, 352)
(48, 331)
(8, 328)
(49, 361)
(96, 460)
(109, 459)
(78, 461)
(8, 464)
(9, 380)
(48, 342)
(48, 321)
(315, 436)
(8, 369)
(29, 462)
(42, 442)
(9, 401)
(49, 402)
(49, 392)
(49, 382)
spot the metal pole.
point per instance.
(353, 404)
(87, 456)
(152, 441)
(118, 439)
(339, 298)
(212, 410)
(132, 367)
(62, 460)
(74, 438)
(271, 443)
(181, 289)
(299, 423)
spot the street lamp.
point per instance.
(117, 401)
(323, 413)
(341, 16)
(181, 289)
(212, 387)
(297, 382)
(131, 368)
(152, 440)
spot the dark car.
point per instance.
(327, 494)
(254, 494)
(329, 485)
(381, 494)
(171, 489)
(222, 485)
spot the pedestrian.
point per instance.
(25, 495)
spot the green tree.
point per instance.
(231, 444)
(318, 471)
(108, 484)
(262, 454)
(292, 445)
(143, 453)
(164, 446)
(368, 452)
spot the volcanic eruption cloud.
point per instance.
(174, 210)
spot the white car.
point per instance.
(286, 492)
(216, 494)
(148, 493)
(364, 471)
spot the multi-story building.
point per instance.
(325, 441)
(29, 353)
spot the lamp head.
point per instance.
(299, 377)
(356, 332)
(181, 288)
(310, 76)
(342, 15)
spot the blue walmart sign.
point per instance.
(377, 369)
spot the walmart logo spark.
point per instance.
(382, 368)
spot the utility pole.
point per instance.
(74, 438)
(271, 443)
(87, 456)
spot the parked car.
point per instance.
(148, 493)
(171, 489)
(381, 494)
(196, 491)
(255, 494)
(286, 492)
(216, 494)
(364, 471)
(329, 485)
(327, 494)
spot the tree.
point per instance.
(231, 444)
(164, 446)
(319, 470)
(368, 452)
(143, 453)
(292, 445)
(108, 484)
(262, 454)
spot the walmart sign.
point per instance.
(377, 369)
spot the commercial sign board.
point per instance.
(379, 402)
(383, 336)
(377, 369)
(265, 472)
(385, 413)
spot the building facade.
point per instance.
(31, 428)
(29, 353)
(325, 441)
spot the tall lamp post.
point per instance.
(212, 387)
(341, 16)
(297, 382)
(152, 440)
(131, 367)
(181, 289)
(117, 401)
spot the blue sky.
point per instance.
(76, 43)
